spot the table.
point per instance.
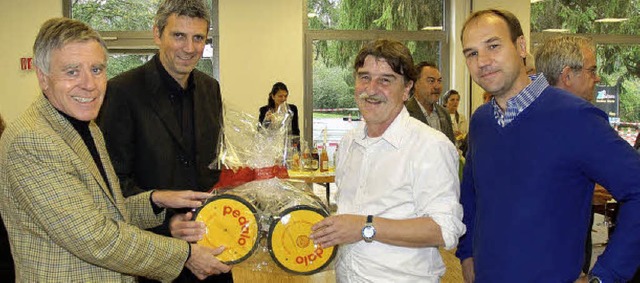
(243, 273)
(325, 178)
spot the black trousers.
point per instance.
(187, 277)
(6, 260)
(588, 249)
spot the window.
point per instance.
(335, 31)
(126, 27)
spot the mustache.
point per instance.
(371, 97)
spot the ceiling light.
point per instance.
(611, 20)
(432, 28)
(556, 30)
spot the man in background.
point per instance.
(535, 154)
(398, 180)
(424, 106)
(569, 62)
(162, 120)
(59, 196)
(530, 64)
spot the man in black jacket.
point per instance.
(162, 120)
(423, 105)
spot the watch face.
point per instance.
(368, 232)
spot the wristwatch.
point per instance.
(594, 279)
(368, 231)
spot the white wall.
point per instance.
(19, 24)
(261, 42)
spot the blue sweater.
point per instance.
(527, 191)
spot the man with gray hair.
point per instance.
(569, 62)
(59, 196)
(162, 120)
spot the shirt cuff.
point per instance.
(451, 229)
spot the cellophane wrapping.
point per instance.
(247, 146)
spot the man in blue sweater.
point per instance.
(535, 153)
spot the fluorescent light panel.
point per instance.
(432, 28)
(611, 20)
(556, 30)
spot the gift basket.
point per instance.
(263, 219)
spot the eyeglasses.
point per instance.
(593, 71)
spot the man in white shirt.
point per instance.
(397, 179)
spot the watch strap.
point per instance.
(593, 279)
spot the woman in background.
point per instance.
(277, 98)
(458, 121)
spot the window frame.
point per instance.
(310, 35)
(141, 42)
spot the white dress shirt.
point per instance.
(410, 171)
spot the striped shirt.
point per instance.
(521, 101)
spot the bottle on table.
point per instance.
(315, 157)
(334, 160)
(306, 157)
(293, 162)
(324, 159)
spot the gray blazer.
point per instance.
(445, 119)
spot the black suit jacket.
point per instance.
(295, 128)
(445, 119)
(143, 136)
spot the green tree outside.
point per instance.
(332, 63)
(121, 15)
